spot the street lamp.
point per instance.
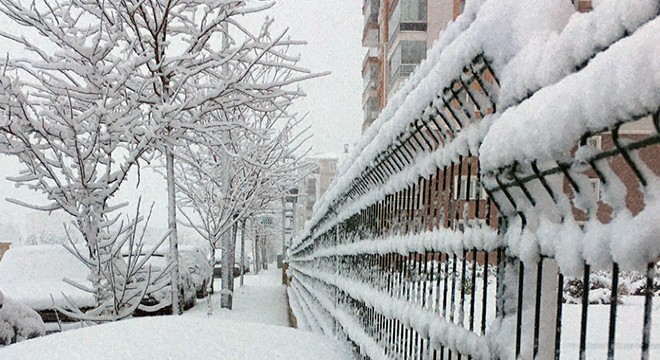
(288, 216)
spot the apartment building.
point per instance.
(315, 184)
(397, 34)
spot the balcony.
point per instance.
(371, 33)
(370, 75)
(405, 58)
(370, 115)
(404, 70)
(369, 58)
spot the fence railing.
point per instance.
(506, 202)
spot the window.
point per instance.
(374, 7)
(476, 189)
(413, 10)
(406, 57)
(311, 187)
(409, 15)
(415, 199)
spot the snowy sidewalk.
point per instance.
(256, 329)
(262, 299)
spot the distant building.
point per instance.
(314, 185)
(397, 34)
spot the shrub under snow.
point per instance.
(18, 322)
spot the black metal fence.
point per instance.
(426, 255)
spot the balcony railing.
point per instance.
(403, 70)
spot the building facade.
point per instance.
(397, 34)
(314, 185)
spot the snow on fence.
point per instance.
(505, 203)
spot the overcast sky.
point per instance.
(333, 30)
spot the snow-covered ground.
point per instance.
(262, 299)
(257, 328)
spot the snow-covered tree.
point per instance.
(217, 194)
(200, 61)
(109, 81)
(70, 117)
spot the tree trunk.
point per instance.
(212, 264)
(242, 251)
(225, 298)
(209, 286)
(173, 254)
(228, 261)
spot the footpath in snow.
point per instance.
(262, 299)
(257, 328)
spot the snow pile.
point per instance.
(180, 337)
(619, 84)
(256, 328)
(34, 275)
(18, 322)
(549, 59)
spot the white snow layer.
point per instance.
(34, 275)
(424, 321)
(619, 84)
(179, 337)
(18, 322)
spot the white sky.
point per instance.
(333, 30)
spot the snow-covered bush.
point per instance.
(18, 322)
(600, 287)
(634, 283)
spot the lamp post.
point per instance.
(288, 215)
